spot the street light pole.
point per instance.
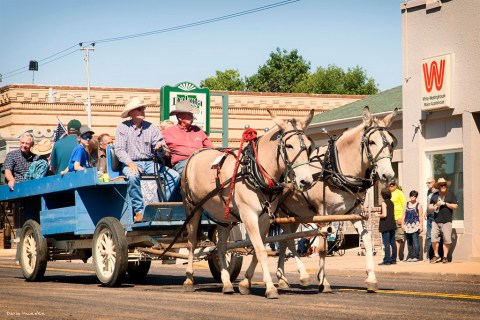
(89, 103)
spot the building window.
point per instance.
(449, 165)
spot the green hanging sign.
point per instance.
(199, 97)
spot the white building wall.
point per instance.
(433, 28)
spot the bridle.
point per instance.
(365, 145)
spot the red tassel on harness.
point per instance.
(248, 135)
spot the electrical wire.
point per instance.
(144, 34)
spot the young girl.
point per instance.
(80, 159)
(412, 224)
(387, 227)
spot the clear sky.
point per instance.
(346, 33)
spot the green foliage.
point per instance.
(228, 80)
(334, 80)
(280, 73)
(288, 72)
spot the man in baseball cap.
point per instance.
(62, 149)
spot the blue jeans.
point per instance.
(388, 239)
(429, 235)
(179, 166)
(413, 245)
(148, 167)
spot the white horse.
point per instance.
(364, 155)
(282, 153)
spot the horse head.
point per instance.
(293, 149)
(378, 144)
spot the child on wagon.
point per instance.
(80, 159)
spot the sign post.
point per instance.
(199, 97)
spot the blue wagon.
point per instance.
(77, 217)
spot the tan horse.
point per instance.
(325, 198)
(282, 153)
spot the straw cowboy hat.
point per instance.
(184, 106)
(41, 148)
(132, 105)
(441, 181)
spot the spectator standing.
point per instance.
(442, 203)
(62, 149)
(18, 161)
(399, 200)
(104, 140)
(412, 224)
(40, 166)
(387, 227)
(429, 216)
(136, 143)
(184, 138)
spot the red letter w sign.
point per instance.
(432, 72)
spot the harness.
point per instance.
(251, 171)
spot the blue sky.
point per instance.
(345, 33)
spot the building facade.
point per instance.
(441, 59)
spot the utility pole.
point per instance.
(89, 104)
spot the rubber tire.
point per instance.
(110, 231)
(138, 270)
(234, 264)
(30, 237)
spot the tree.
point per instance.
(228, 80)
(280, 73)
(334, 80)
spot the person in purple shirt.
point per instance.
(136, 143)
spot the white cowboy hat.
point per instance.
(184, 106)
(132, 105)
(41, 148)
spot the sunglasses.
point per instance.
(443, 185)
(86, 136)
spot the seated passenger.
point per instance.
(40, 166)
(79, 160)
(18, 161)
(136, 143)
(184, 138)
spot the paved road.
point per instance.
(72, 291)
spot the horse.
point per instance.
(363, 156)
(245, 187)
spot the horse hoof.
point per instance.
(305, 282)
(324, 289)
(243, 287)
(283, 284)
(372, 286)
(272, 294)
(228, 289)
(188, 286)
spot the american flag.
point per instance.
(60, 132)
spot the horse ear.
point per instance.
(388, 120)
(305, 122)
(279, 122)
(367, 117)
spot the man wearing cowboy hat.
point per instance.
(18, 161)
(442, 203)
(184, 138)
(39, 167)
(136, 143)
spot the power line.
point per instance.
(149, 33)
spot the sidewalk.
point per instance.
(352, 264)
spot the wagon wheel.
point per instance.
(33, 251)
(137, 270)
(234, 261)
(110, 253)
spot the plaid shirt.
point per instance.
(18, 163)
(38, 169)
(133, 144)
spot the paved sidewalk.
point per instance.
(352, 264)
